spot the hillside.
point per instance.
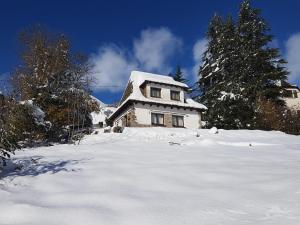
(157, 176)
(105, 111)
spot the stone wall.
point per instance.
(168, 120)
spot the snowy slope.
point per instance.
(101, 116)
(104, 112)
(153, 176)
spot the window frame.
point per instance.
(295, 94)
(176, 125)
(288, 94)
(157, 119)
(174, 92)
(155, 89)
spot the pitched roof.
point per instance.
(141, 77)
(286, 84)
(138, 78)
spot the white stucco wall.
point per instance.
(165, 92)
(143, 114)
(293, 103)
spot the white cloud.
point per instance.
(111, 69)
(151, 52)
(293, 57)
(155, 47)
(198, 50)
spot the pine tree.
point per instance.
(209, 71)
(219, 76)
(178, 76)
(262, 66)
(239, 68)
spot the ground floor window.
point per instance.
(177, 121)
(157, 119)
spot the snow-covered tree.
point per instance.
(8, 138)
(55, 80)
(262, 66)
(219, 77)
(238, 68)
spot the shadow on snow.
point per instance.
(32, 166)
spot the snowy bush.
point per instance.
(118, 129)
(213, 130)
(107, 129)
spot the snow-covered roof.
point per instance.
(140, 77)
(137, 78)
(286, 84)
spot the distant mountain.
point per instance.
(105, 111)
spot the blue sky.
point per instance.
(153, 36)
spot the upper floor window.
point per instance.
(290, 94)
(175, 95)
(287, 93)
(295, 94)
(155, 92)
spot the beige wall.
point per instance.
(192, 119)
(165, 92)
(293, 103)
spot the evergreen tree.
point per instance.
(209, 71)
(178, 76)
(219, 76)
(262, 66)
(239, 68)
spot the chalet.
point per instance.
(156, 100)
(291, 96)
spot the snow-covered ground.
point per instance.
(157, 176)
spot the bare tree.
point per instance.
(55, 79)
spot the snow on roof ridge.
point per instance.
(141, 76)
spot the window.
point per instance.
(295, 94)
(177, 121)
(287, 93)
(155, 92)
(157, 119)
(175, 95)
